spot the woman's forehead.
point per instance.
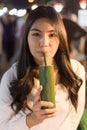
(43, 23)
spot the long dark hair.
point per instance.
(27, 69)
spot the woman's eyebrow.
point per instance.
(35, 29)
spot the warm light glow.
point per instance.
(3, 11)
(58, 7)
(21, 12)
(13, 11)
(83, 4)
(34, 7)
(30, 1)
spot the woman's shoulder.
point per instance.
(76, 65)
(11, 73)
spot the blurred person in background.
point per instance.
(8, 36)
(76, 38)
(19, 33)
(7, 41)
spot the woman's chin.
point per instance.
(39, 60)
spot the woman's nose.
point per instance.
(44, 41)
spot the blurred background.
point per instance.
(13, 14)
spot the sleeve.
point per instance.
(75, 116)
(8, 119)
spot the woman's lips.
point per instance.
(44, 50)
(40, 54)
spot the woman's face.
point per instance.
(42, 39)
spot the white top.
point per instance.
(66, 118)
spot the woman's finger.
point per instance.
(46, 104)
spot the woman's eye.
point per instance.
(36, 34)
(52, 35)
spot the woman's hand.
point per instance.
(38, 115)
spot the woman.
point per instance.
(44, 34)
